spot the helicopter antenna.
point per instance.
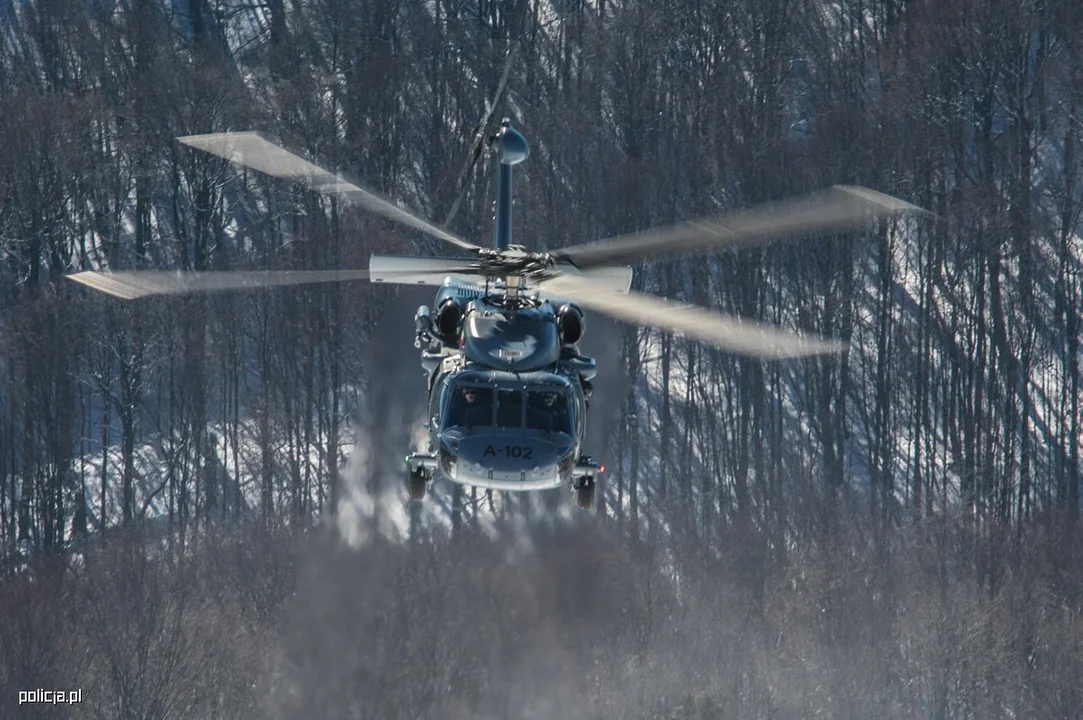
(511, 149)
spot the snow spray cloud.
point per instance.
(385, 428)
(470, 626)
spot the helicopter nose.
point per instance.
(509, 452)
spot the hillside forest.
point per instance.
(201, 501)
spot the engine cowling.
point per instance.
(422, 320)
(570, 323)
(449, 317)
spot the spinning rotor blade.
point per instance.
(607, 278)
(724, 332)
(838, 208)
(251, 150)
(482, 134)
(422, 271)
(134, 284)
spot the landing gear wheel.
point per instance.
(584, 496)
(415, 484)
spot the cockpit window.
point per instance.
(470, 407)
(509, 409)
(548, 411)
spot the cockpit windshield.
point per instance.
(548, 411)
(470, 407)
(509, 408)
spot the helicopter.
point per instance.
(508, 388)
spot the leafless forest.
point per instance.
(192, 489)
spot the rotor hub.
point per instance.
(514, 262)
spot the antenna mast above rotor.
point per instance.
(511, 149)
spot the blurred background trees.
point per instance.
(957, 405)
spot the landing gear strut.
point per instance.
(420, 467)
(416, 484)
(584, 494)
(586, 477)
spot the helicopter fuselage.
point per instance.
(508, 390)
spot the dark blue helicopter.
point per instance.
(508, 387)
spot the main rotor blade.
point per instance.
(129, 285)
(422, 271)
(607, 278)
(838, 208)
(252, 150)
(482, 135)
(724, 332)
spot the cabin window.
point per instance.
(470, 407)
(548, 411)
(509, 409)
